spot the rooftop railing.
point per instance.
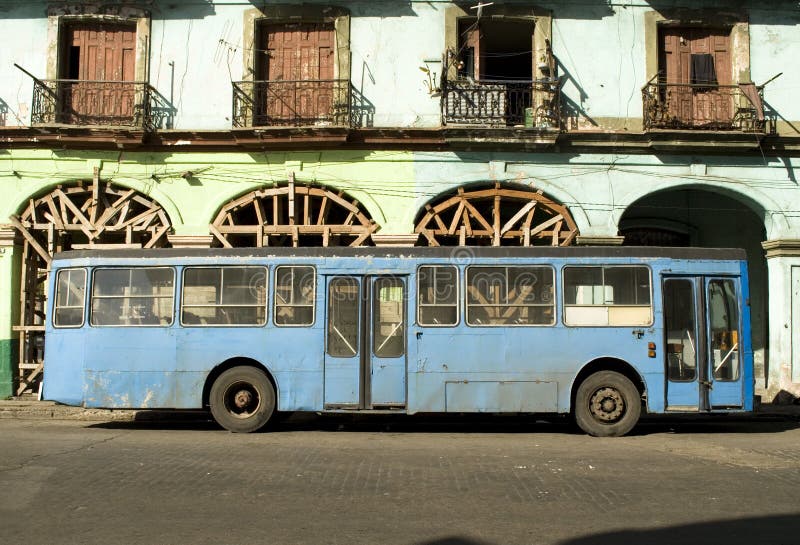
(704, 107)
(502, 103)
(301, 103)
(84, 102)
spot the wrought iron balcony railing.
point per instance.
(704, 107)
(82, 102)
(303, 103)
(502, 103)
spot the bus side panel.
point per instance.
(290, 355)
(552, 356)
(130, 368)
(63, 376)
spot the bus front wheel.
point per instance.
(242, 399)
(607, 404)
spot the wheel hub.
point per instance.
(607, 405)
(242, 399)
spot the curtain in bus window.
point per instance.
(343, 307)
(607, 296)
(141, 296)
(510, 296)
(723, 318)
(70, 294)
(294, 296)
(388, 318)
(223, 296)
(437, 295)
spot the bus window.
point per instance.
(723, 318)
(510, 296)
(607, 296)
(141, 296)
(343, 307)
(388, 338)
(437, 295)
(70, 294)
(224, 296)
(294, 296)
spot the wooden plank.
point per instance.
(291, 199)
(31, 240)
(220, 236)
(516, 217)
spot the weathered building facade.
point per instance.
(227, 123)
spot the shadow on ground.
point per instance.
(467, 423)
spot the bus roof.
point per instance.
(456, 252)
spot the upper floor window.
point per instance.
(97, 73)
(700, 73)
(297, 71)
(499, 68)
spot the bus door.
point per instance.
(365, 342)
(703, 343)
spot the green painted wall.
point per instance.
(9, 310)
(382, 181)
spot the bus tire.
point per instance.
(242, 399)
(607, 404)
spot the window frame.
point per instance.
(92, 296)
(183, 289)
(554, 306)
(564, 304)
(56, 306)
(458, 297)
(275, 296)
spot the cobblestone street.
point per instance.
(400, 481)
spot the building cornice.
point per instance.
(448, 138)
(787, 247)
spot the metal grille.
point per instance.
(502, 103)
(299, 103)
(78, 102)
(702, 106)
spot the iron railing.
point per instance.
(704, 107)
(83, 102)
(302, 103)
(529, 103)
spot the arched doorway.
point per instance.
(495, 216)
(84, 215)
(292, 215)
(704, 218)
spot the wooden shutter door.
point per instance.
(101, 57)
(713, 106)
(676, 64)
(300, 71)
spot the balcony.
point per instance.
(502, 103)
(304, 103)
(100, 103)
(704, 107)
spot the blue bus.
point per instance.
(604, 334)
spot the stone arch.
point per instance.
(79, 215)
(708, 216)
(495, 215)
(292, 215)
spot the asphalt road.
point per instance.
(415, 480)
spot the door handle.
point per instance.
(419, 334)
(708, 384)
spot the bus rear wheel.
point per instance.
(242, 399)
(607, 404)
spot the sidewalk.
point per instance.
(28, 408)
